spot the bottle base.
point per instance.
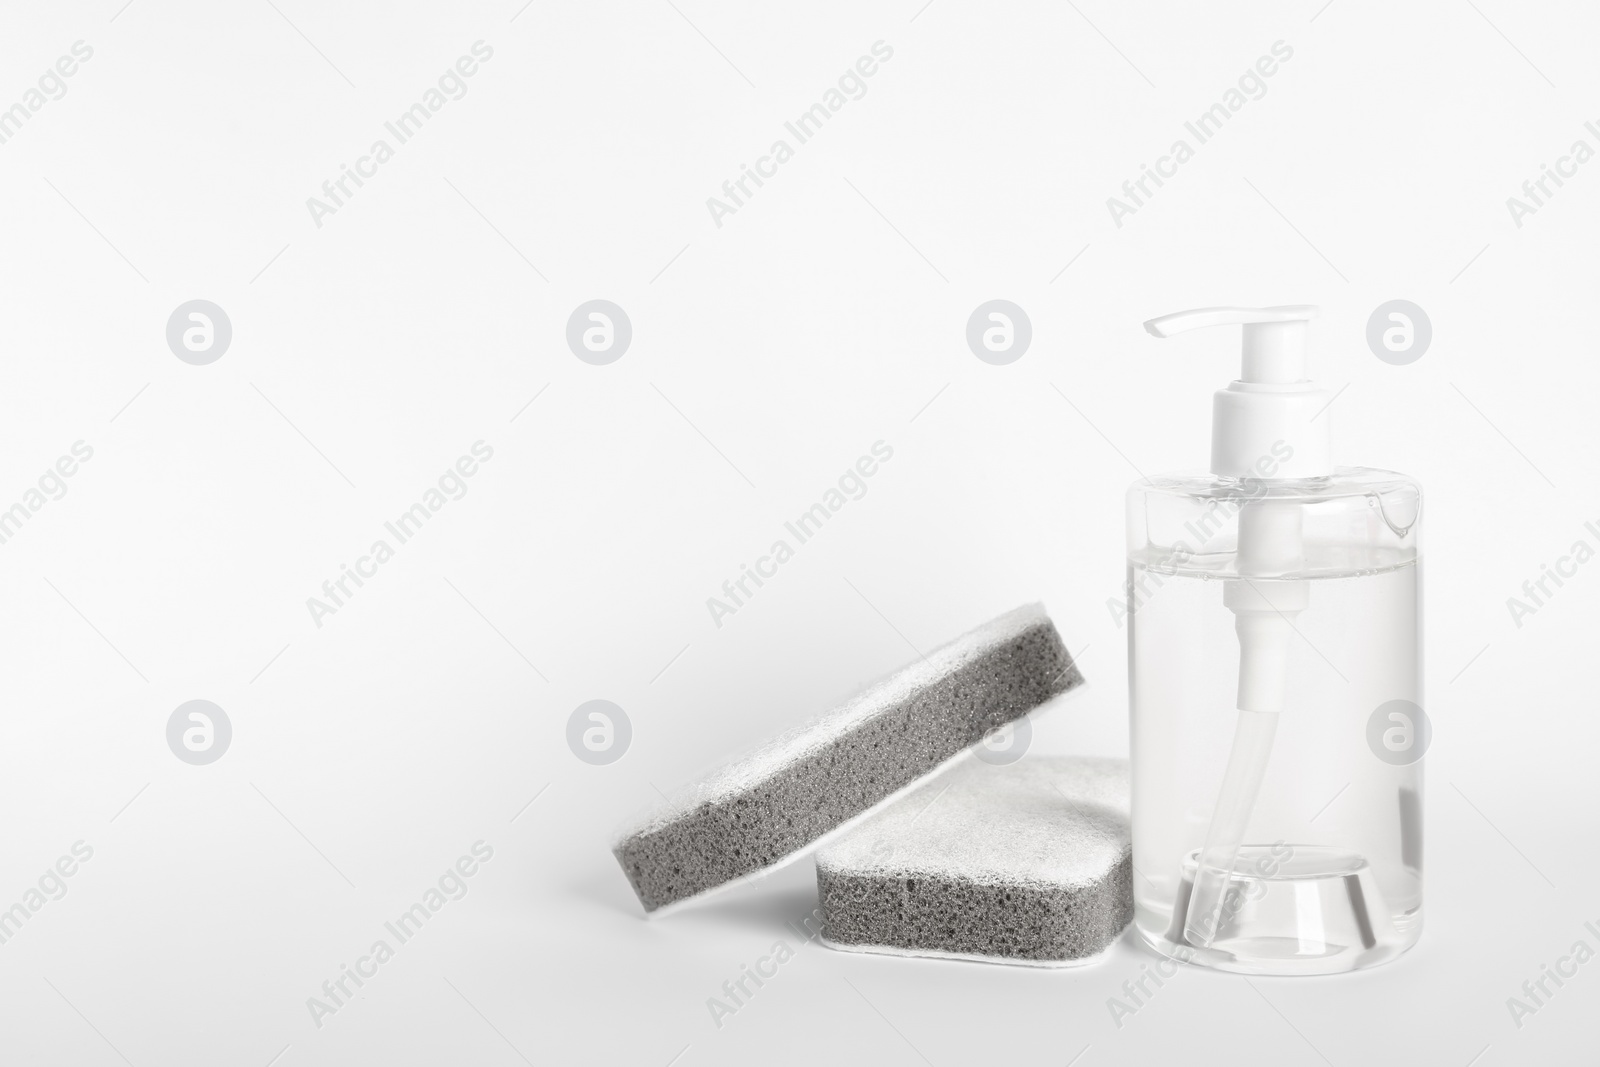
(1287, 910)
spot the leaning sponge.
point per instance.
(1028, 863)
(765, 808)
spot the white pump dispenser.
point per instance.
(1267, 426)
(1272, 414)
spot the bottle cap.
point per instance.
(1272, 423)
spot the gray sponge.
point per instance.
(765, 808)
(1028, 863)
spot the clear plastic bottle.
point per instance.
(1275, 639)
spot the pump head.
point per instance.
(1272, 423)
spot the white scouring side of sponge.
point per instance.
(774, 803)
(1029, 863)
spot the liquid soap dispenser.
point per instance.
(1275, 683)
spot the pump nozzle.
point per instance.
(1274, 338)
(1271, 422)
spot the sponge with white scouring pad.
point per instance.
(769, 806)
(1028, 863)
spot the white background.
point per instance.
(828, 313)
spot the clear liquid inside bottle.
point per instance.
(1328, 876)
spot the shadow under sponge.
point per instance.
(1029, 863)
(784, 797)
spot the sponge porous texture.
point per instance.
(1027, 863)
(767, 806)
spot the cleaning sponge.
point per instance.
(763, 809)
(1027, 863)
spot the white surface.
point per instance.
(966, 957)
(793, 337)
